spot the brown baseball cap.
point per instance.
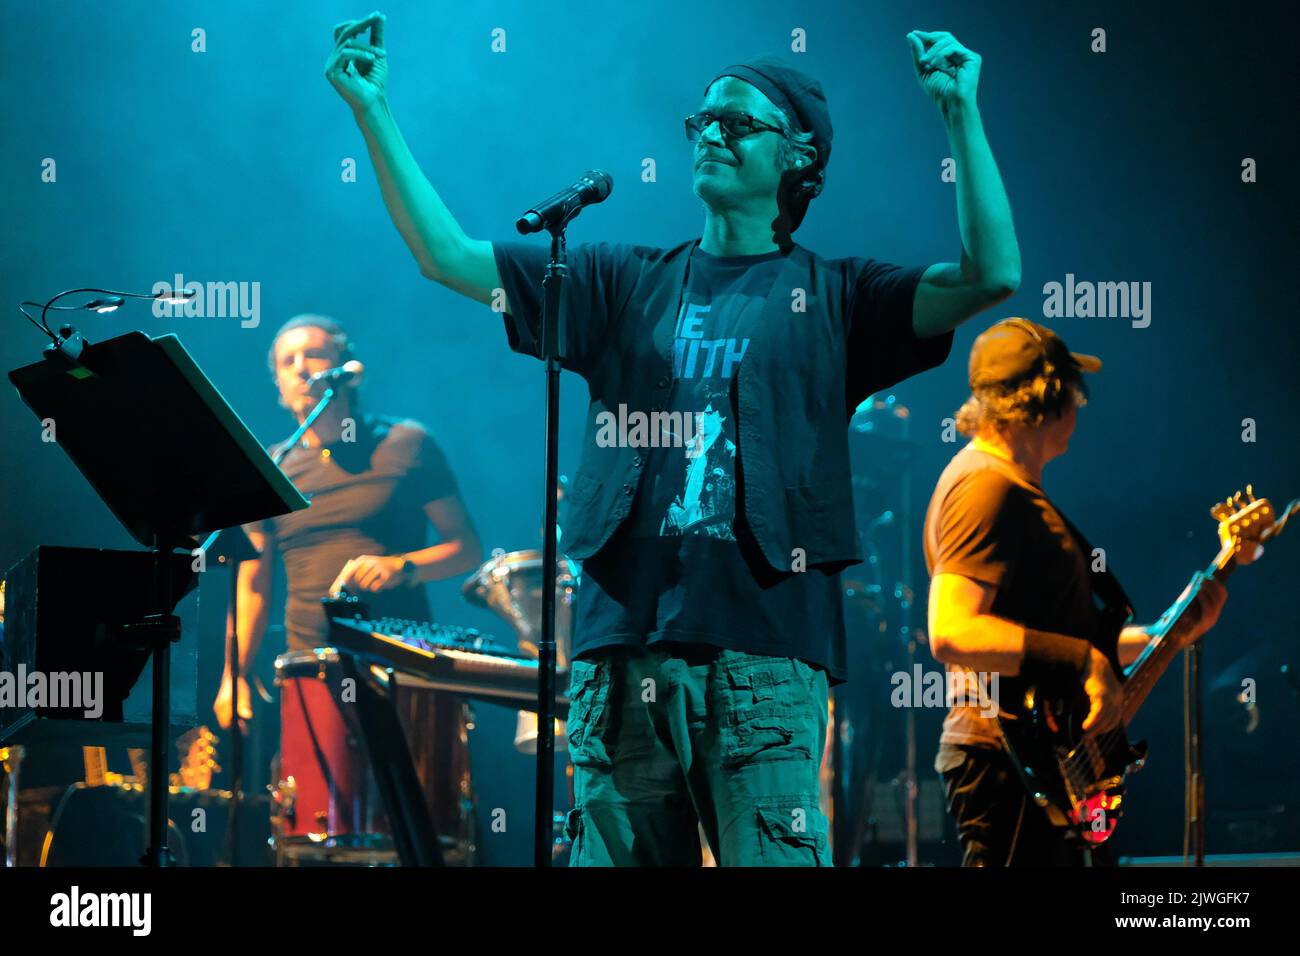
(1016, 349)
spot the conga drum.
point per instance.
(510, 584)
(437, 726)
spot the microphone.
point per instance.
(593, 187)
(345, 373)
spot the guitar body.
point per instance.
(1077, 780)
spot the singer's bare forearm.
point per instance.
(427, 226)
(443, 251)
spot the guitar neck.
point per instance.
(1244, 526)
(1160, 653)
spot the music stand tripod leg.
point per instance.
(399, 785)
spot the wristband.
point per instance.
(410, 573)
(1055, 654)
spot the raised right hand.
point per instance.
(1105, 694)
(359, 70)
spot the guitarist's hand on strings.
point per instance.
(1204, 611)
(1105, 696)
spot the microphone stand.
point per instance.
(306, 424)
(232, 645)
(231, 547)
(551, 351)
(553, 215)
(911, 792)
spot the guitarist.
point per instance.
(1011, 589)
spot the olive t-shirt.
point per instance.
(367, 497)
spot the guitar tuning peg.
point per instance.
(1250, 492)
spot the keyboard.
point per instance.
(445, 657)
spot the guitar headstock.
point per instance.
(198, 759)
(1244, 524)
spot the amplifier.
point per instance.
(65, 609)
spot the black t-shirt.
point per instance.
(681, 568)
(367, 497)
(834, 332)
(676, 571)
(990, 522)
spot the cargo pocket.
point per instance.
(573, 830)
(759, 708)
(792, 832)
(588, 721)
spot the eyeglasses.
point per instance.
(734, 125)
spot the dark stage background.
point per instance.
(1121, 166)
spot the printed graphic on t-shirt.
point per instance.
(704, 365)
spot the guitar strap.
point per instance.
(1117, 609)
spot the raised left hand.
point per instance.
(370, 572)
(946, 70)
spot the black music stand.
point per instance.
(172, 461)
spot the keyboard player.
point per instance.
(377, 486)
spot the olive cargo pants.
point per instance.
(665, 742)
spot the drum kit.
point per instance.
(326, 806)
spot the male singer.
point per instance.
(709, 621)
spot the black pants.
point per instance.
(998, 823)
